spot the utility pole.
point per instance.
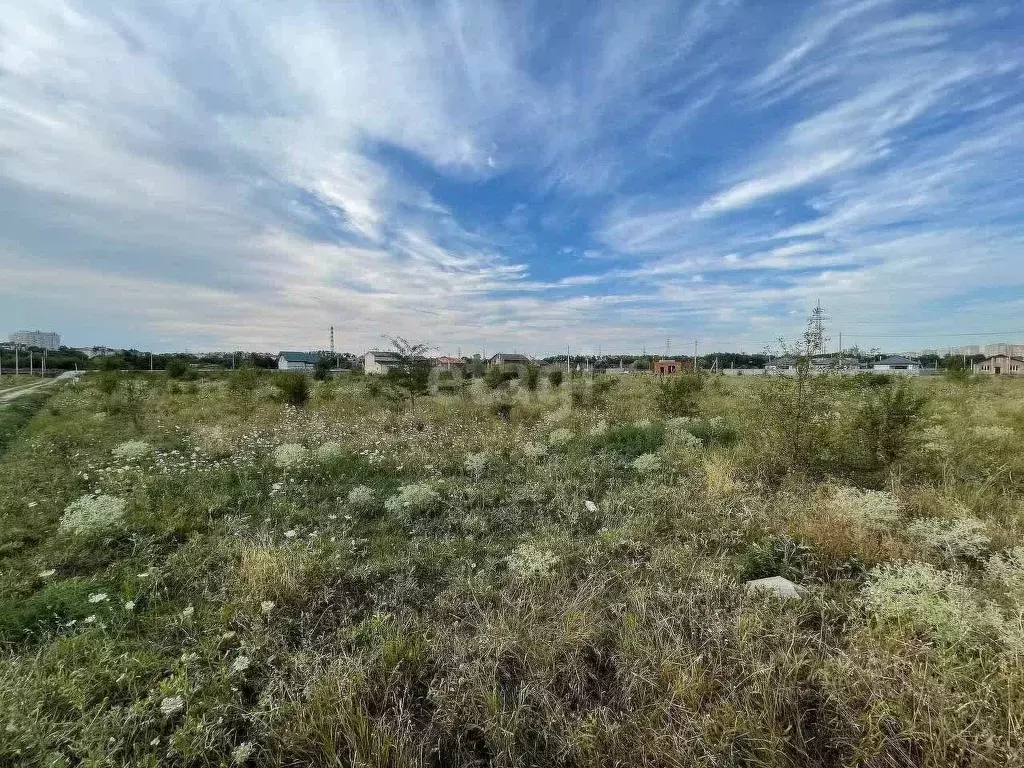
(17, 365)
(695, 364)
(31, 363)
(43, 374)
(151, 361)
(568, 370)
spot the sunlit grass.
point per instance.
(508, 578)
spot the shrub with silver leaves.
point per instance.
(875, 510)
(951, 539)
(938, 601)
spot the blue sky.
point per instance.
(210, 175)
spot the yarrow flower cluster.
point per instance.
(289, 455)
(532, 450)
(476, 464)
(992, 432)
(647, 464)
(361, 498)
(132, 450)
(329, 451)
(172, 705)
(599, 429)
(560, 436)
(417, 498)
(875, 510)
(92, 512)
(530, 560)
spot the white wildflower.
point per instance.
(417, 498)
(329, 451)
(132, 450)
(98, 597)
(875, 510)
(529, 560)
(130, 605)
(187, 613)
(992, 432)
(47, 574)
(92, 513)
(533, 450)
(90, 619)
(267, 606)
(952, 539)
(360, 497)
(240, 664)
(599, 429)
(591, 506)
(289, 455)
(647, 464)
(172, 705)
(291, 534)
(560, 436)
(476, 463)
(241, 753)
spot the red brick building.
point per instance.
(667, 367)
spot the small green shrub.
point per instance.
(292, 387)
(555, 378)
(885, 423)
(176, 368)
(677, 395)
(630, 441)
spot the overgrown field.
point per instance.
(196, 574)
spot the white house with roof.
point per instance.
(379, 362)
(896, 364)
(297, 361)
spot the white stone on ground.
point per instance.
(779, 586)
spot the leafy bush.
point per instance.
(497, 377)
(884, 424)
(292, 387)
(630, 441)
(322, 369)
(555, 377)
(712, 432)
(677, 395)
(244, 380)
(532, 378)
(108, 382)
(176, 368)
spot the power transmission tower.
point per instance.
(816, 331)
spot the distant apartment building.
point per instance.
(39, 339)
(1003, 348)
